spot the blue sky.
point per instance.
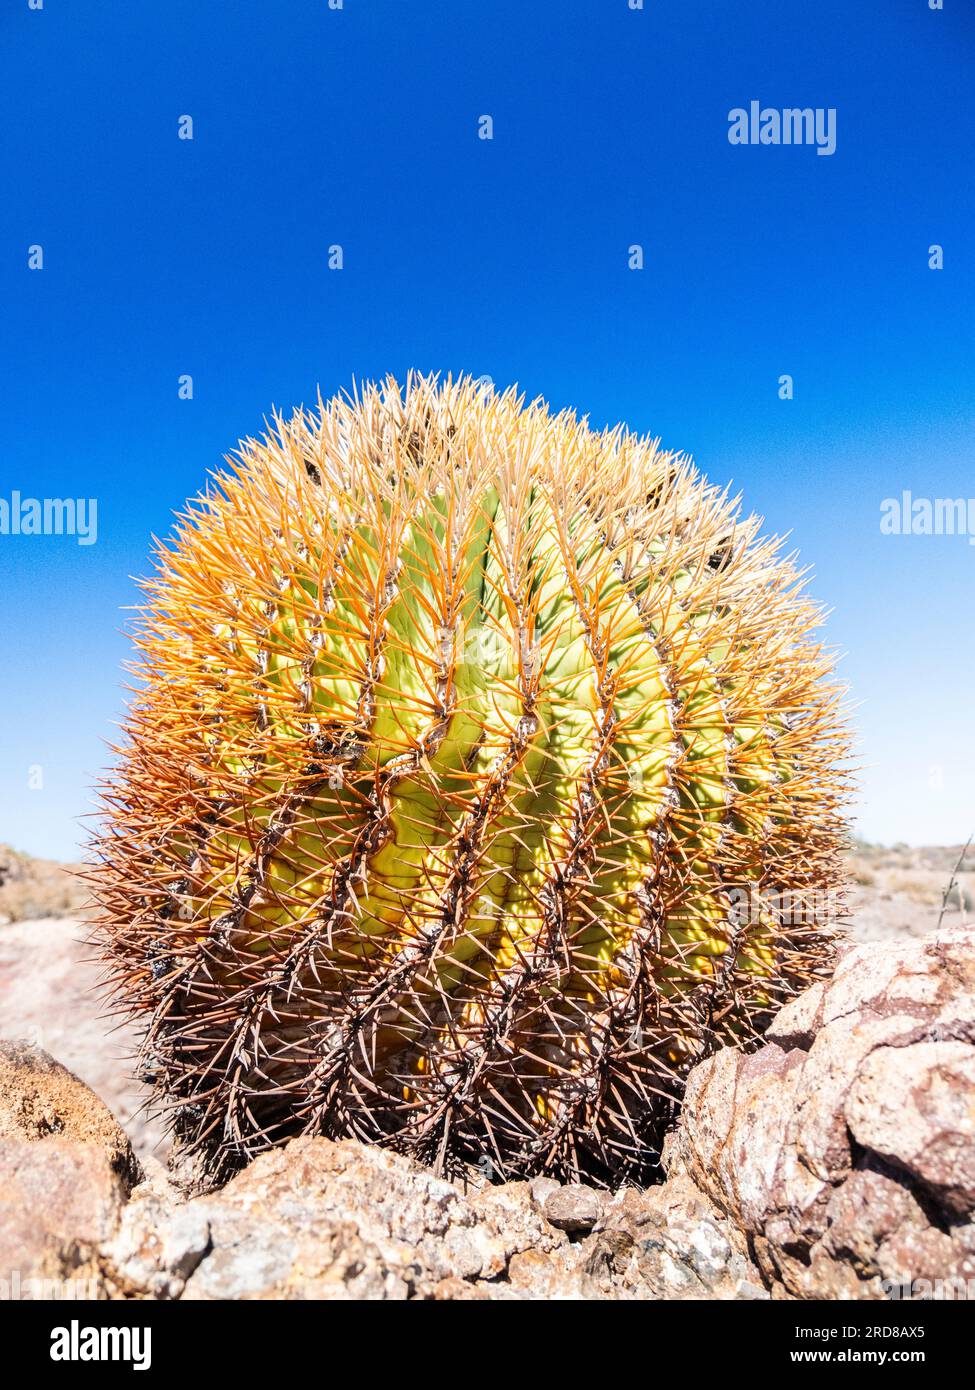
(505, 257)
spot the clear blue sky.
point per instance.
(506, 258)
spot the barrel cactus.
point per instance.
(481, 775)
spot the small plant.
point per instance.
(955, 894)
(472, 755)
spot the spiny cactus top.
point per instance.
(479, 778)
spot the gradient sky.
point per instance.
(506, 258)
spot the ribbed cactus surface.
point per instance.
(479, 778)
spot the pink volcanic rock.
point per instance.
(844, 1149)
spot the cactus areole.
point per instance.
(480, 777)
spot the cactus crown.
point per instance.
(480, 777)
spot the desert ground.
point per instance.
(49, 982)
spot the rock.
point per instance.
(668, 1242)
(60, 1202)
(541, 1188)
(914, 1106)
(337, 1220)
(513, 1212)
(160, 1240)
(844, 1149)
(537, 1274)
(574, 1207)
(324, 1219)
(66, 1170)
(39, 1098)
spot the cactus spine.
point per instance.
(481, 776)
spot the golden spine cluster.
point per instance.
(481, 775)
